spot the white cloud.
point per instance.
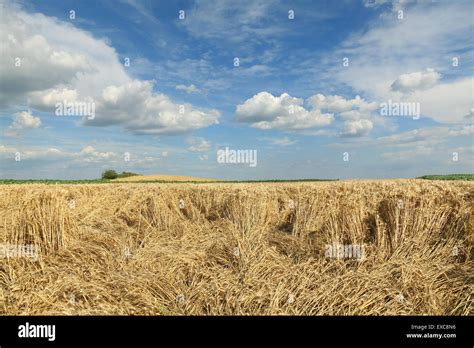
(247, 22)
(25, 120)
(420, 80)
(106, 157)
(254, 70)
(90, 154)
(265, 111)
(199, 145)
(30, 61)
(430, 35)
(357, 128)
(5, 150)
(285, 112)
(421, 142)
(466, 130)
(232, 21)
(8, 153)
(46, 100)
(423, 136)
(470, 114)
(88, 150)
(61, 61)
(447, 102)
(138, 109)
(337, 104)
(396, 4)
(375, 3)
(188, 89)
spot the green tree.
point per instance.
(109, 174)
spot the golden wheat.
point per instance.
(238, 249)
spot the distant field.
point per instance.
(173, 178)
(156, 179)
(448, 177)
(239, 249)
(190, 179)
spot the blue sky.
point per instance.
(306, 95)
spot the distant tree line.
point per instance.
(110, 174)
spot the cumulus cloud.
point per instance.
(61, 62)
(30, 61)
(265, 111)
(338, 104)
(47, 99)
(447, 102)
(420, 80)
(90, 154)
(357, 128)
(430, 36)
(25, 120)
(138, 109)
(199, 145)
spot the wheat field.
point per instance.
(238, 249)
